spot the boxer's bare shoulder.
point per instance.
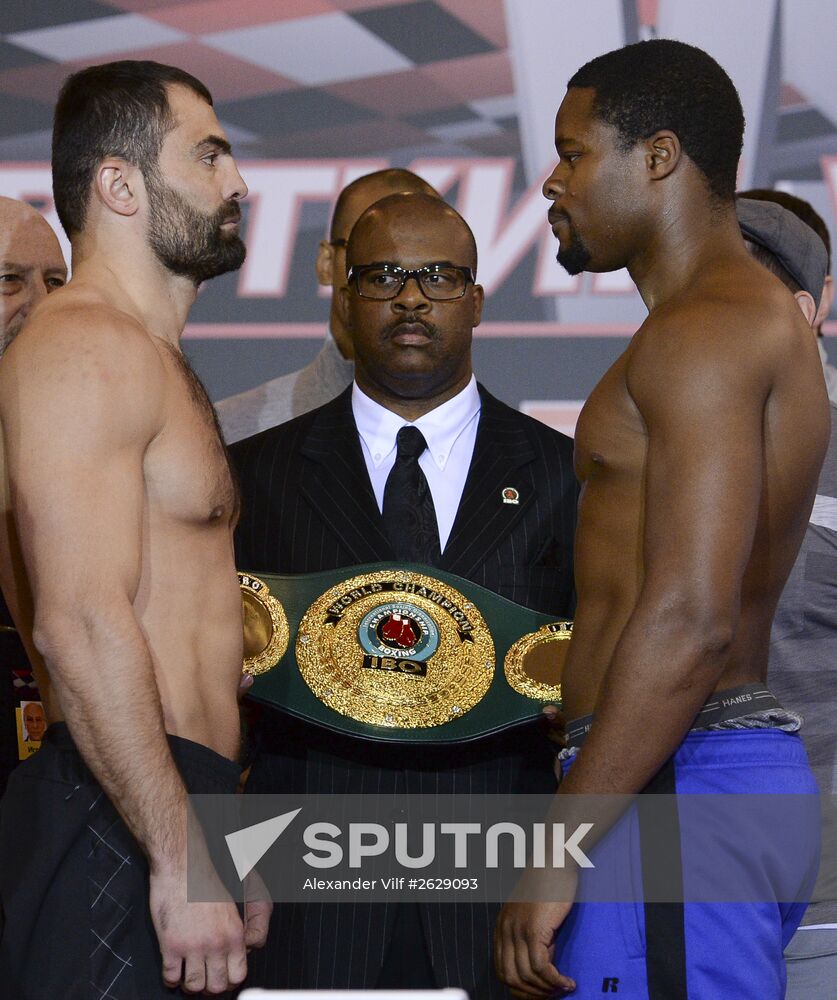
(79, 361)
(735, 306)
(733, 353)
(82, 336)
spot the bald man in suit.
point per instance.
(314, 497)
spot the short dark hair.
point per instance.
(116, 109)
(802, 209)
(664, 84)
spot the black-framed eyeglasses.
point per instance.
(441, 281)
(340, 241)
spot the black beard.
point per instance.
(188, 242)
(575, 257)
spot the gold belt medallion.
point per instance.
(396, 648)
(535, 663)
(266, 631)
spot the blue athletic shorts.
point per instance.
(638, 950)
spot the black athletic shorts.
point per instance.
(74, 883)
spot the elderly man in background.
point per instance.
(31, 265)
(332, 369)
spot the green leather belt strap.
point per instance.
(399, 653)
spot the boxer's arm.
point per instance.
(79, 406)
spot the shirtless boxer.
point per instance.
(698, 453)
(116, 557)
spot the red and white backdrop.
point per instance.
(316, 92)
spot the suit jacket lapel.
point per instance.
(502, 452)
(335, 482)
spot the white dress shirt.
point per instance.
(450, 432)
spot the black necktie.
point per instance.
(409, 514)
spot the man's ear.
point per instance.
(826, 301)
(662, 153)
(343, 299)
(479, 298)
(325, 263)
(116, 184)
(806, 303)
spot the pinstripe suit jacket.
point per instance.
(307, 506)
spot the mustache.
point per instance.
(410, 319)
(229, 213)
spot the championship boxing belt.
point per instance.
(399, 653)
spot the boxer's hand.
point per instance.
(555, 724)
(201, 944)
(257, 909)
(244, 685)
(556, 733)
(524, 937)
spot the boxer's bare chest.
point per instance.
(610, 440)
(188, 473)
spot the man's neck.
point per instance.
(692, 238)
(140, 286)
(411, 408)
